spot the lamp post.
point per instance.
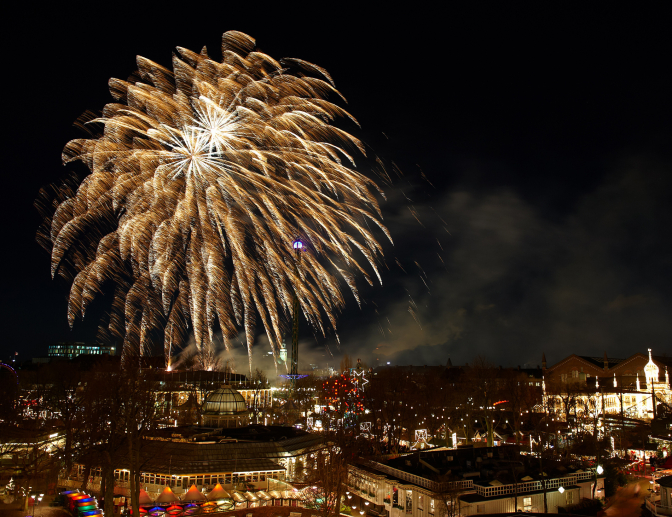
(598, 471)
(36, 500)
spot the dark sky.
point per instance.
(545, 136)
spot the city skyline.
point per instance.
(531, 214)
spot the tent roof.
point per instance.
(144, 498)
(218, 493)
(167, 496)
(193, 494)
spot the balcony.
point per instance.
(654, 506)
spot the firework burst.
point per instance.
(199, 181)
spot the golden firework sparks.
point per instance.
(199, 182)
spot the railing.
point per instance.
(581, 476)
(655, 507)
(77, 483)
(420, 481)
(531, 486)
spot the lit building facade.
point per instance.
(224, 450)
(590, 386)
(177, 460)
(72, 350)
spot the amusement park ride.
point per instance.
(7, 367)
(293, 374)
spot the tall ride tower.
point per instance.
(294, 358)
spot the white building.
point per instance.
(661, 504)
(405, 494)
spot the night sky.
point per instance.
(544, 221)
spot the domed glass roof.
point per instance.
(224, 401)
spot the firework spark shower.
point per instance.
(200, 179)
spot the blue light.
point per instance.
(298, 244)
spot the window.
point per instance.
(570, 497)
(575, 374)
(527, 504)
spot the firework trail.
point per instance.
(199, 180)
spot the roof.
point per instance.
(224, 401)
(599, 361)
(167, 496)
(666, 481)
(194, 494)
(186, 458)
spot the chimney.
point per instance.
(606, 362)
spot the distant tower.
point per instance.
(543, 361)
(283, 352)
(638, 388)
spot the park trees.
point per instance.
(139, 414)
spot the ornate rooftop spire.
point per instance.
(651, 371)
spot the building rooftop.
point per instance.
(220, 450)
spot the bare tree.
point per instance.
(103, 431)
(258, 382)
(140, 418)
(327, 471)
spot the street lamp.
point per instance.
(600, 469)
(561, 490)
(36, 501)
